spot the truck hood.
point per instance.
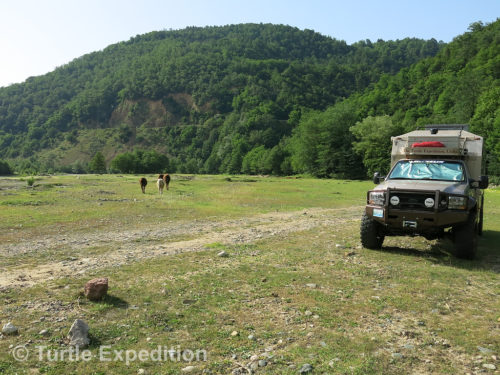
(459, 188)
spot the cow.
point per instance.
(143, 183)
(161, 184)
(166, 179)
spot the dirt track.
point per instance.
(136, 244)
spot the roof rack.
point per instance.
(447, 127)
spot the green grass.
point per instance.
(81, 201)
(342, 309)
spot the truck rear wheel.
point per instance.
(465, 238)
(372, 236)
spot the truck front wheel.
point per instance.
(465, 238)
(372, 235)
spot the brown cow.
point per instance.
(166, 179)
(143, 183)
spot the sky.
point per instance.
(37, 36)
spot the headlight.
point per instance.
(376, 197)
(457, 203)
(429, 202)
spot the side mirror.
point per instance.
(484, 181)
(376, 178)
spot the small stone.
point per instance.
(251, 337)
(446, 343)
(489, 366)
(223, 254)
(78, 334)
(141, 371)
(340, 246)
(484, 350)
(312, 285)
(332, 362)
(10, 329)
(234, 333)
(188, 369)
(306, 368)
(262, 363)
(254, 358)
(396, 355)
(44, 332)
(308, 313)
(96, 289)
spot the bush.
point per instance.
(30, 181)
(5, 168)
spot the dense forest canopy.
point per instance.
(251, 98)
(460, 85)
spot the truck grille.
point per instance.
(412, 200)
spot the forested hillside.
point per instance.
(214, 99)
(461, 85)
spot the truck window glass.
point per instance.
(428, 170)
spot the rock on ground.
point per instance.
(305, 369)
(10, 329)
(79, 334)
(96, 289)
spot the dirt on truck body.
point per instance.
(434, 184)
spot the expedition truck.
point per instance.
(434, 187)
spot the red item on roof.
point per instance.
(428, 144)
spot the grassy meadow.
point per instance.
(295, 288)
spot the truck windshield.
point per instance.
(428, 170)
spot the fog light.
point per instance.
(429, 202)
(394, 200)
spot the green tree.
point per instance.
(322, 143)
(373, 142)
(98, 163)
(125, 163)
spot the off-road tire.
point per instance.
(465, 238)
(372, 236)
(481, 214)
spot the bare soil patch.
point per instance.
(130, 245)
